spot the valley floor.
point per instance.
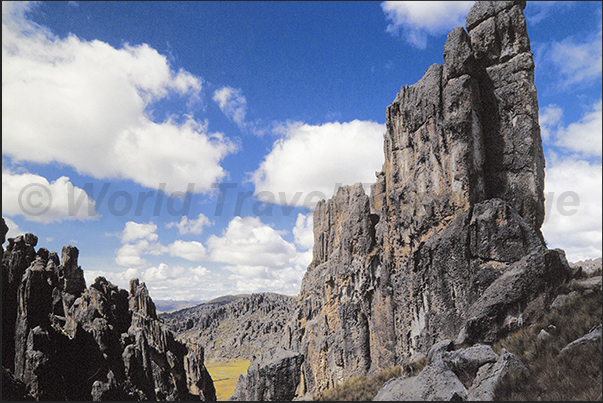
(225, 376)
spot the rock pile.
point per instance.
(464, 374)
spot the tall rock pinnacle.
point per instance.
(448, 243)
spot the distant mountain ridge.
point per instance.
(234, 326)
(170, 305)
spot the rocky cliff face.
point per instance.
(448, 243)
(64, 341)
(234, 328)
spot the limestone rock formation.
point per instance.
(63, 341)
(274, 375)
(466, 362)
(448, 243)
(491, 375)
(18, 256)
(236, 327)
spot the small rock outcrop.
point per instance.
(448, 244)
(435, 382)
(69, 342)
(273, 376)
(589, 267)
(491, 375)
(465, 374)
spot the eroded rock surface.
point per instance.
(435, 382)
(234, 327)
(491, 375)
(448, 244)
(463, 374)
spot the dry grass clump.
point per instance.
(226, 375)
(551, 376)
(417, 366)
(360, 388)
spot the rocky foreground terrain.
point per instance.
(445, 257)
(63, 341)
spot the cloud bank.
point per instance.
(309, 162)
(89, 105)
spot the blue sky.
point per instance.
(264, 108)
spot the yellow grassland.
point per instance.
(225, 375)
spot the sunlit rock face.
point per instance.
(448, 242)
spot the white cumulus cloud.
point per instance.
(309, 162)
(193, 226)
(573, 208)
(138, 239)
(89, 105)
(133, 231)
(189, 250)
(248, 241)
(232, 103)
(573, 184)
(129, 255)
(585, 135)
(419, 19)
(251, 279)
(39, 200)
(258, 257)
(304, 231)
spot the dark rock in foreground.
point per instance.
(274, 376)
(69, 342)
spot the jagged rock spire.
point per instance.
(454, 216)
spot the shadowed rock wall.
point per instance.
(63, 341)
